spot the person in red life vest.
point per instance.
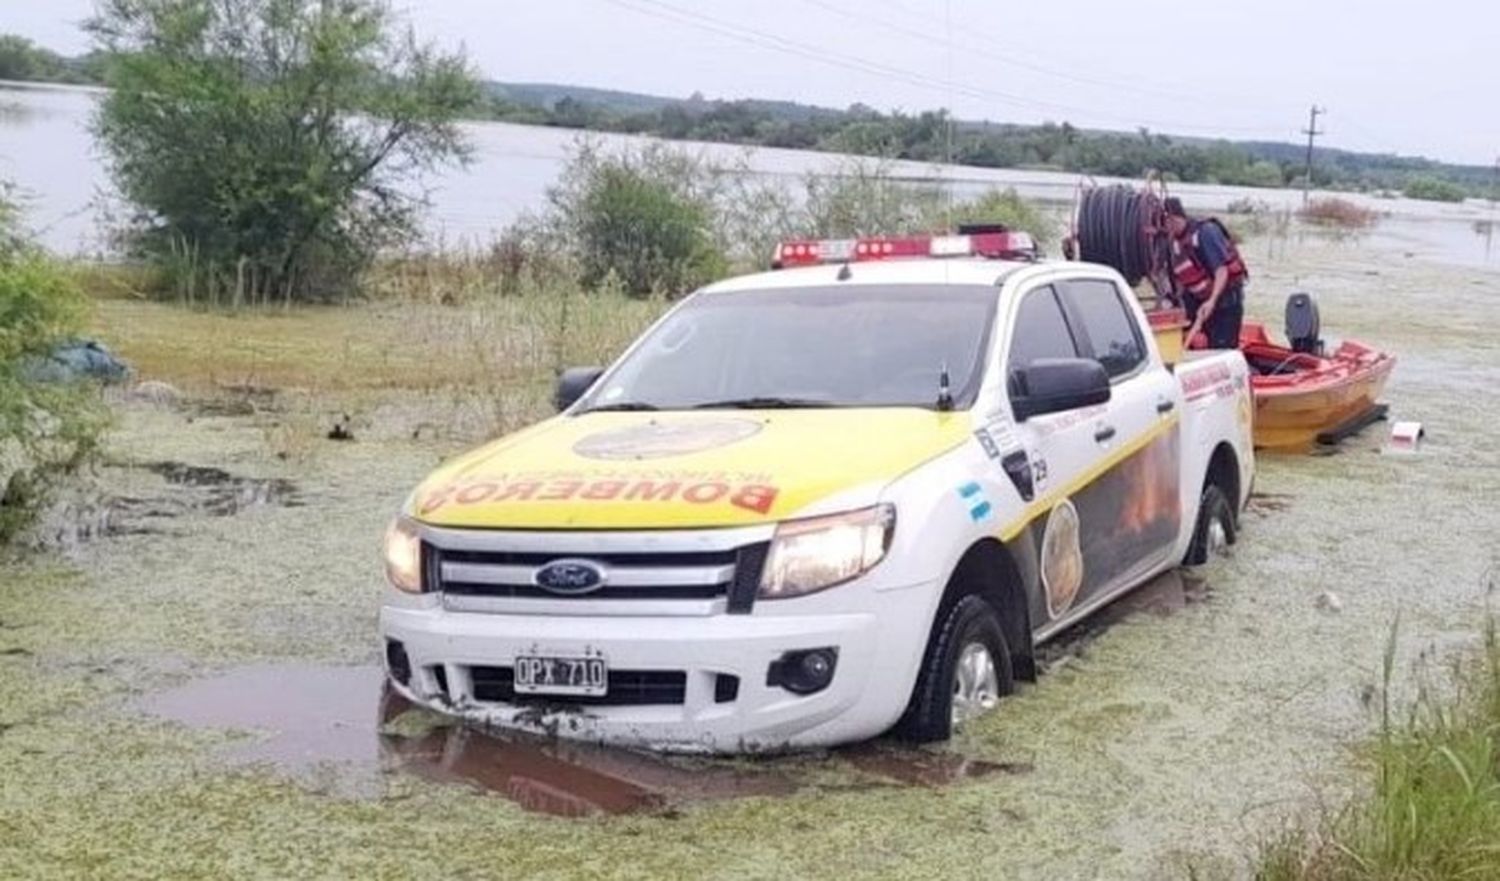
(1210, 274)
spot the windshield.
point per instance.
(836, 346)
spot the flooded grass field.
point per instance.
(188, 687)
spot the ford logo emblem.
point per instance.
(570, 577)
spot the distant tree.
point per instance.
(22, 60)
(269, 144)
(1434, 190)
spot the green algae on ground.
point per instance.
(414, 723)
(1164, 746)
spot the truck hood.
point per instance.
(657, 470)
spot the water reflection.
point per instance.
(309, 719)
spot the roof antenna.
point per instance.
(945, 391)
(845, 273)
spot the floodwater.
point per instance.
(46, 148)
(319, 721)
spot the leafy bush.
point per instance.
(646, 218)
(658, 220)
(1342, 213)
(265, 143)
(861, 198)
(1434, 190)
(1007, 207)
(47, 431)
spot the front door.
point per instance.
(1131, 510)
(1058, 452)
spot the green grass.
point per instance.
(427, 325)
(1432, 807)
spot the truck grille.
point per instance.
(627, 688)
(687, 575)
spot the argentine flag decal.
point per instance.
(979, 506)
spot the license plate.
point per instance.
(569, 676)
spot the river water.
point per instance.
(47, 151)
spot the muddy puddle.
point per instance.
(1267, 503)
(307, 720)
(153, 495)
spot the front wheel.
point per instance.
(964, 674)
(1215, 530)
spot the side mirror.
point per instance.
(572, 385)
(1052, 385)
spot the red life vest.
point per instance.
(1188, 268)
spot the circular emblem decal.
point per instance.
(570, 577)
(657, 440)
(1062, 559)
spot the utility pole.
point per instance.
(1489, 227)
(1312, 132)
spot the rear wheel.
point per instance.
(1215, 530)
(966, 670)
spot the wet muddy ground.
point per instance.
(340, 727)
(196, 695)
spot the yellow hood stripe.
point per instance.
(682, 469)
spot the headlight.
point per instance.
(820, 552)
(403, 555)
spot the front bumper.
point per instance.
(453, 654)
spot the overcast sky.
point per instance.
(1396, 77)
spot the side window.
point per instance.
(1040, 331)
(1109, 329)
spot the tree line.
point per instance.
(926, 137)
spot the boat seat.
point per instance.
(1302, 324)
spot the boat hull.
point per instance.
(1299, 396)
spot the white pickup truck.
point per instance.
(815, 504)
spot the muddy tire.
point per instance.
(967, 669)
(1215, 530)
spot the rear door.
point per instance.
(1132, 508)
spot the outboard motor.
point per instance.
(1303, 325)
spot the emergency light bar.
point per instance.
(993, 245)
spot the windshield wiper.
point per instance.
(764, 403)
(623, 407)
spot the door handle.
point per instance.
(1104, 433)
(1165, 406)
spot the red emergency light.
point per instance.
(994, 245)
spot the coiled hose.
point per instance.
(1123, 228)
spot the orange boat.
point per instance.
(1302, 396)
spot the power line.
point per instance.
(1110, 83)
(812, 53)
(1312, 132)
(993, 56)
(822, 55)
